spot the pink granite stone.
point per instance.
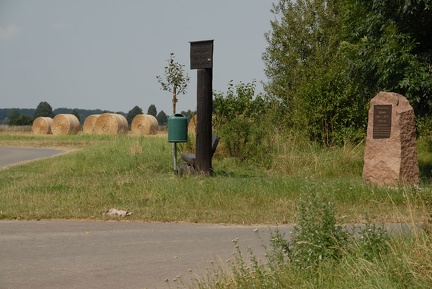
(391, 160)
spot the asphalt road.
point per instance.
(79, 254)
(12, 156)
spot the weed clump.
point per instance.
(319, 253)
(316, 236)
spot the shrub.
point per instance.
(316, 236)
(239, 116)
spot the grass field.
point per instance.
(136, 174)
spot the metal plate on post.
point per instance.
(201, 54)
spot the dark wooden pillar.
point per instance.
(204, 120)
(201, 57)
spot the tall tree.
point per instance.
(132, 113)
(176, 80)
(76, 113)
(13, 116)
(389, 47)
(162, 118)
(23, 120)
(43, 109)
(306, 72)
(326, 59)
(152, 110)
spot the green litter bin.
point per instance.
(177, 128)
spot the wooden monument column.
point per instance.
(201, 58)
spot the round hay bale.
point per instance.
(192, 124)
(42, 125)
(89, 123)
(110, 123)
(65, 124)
(144, 124)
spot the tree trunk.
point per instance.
(174, 99)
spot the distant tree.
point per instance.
(176, 80)
(5, 121)
(152, 110)
(43, 109)
(75, 112)
(132, 113)
(13, 116)
(188, 114)
(23, 120)
(162, 118)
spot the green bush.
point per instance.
(316, 236)
(239, 121)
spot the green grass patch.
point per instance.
(136, 174)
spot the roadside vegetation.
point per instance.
(135, 173)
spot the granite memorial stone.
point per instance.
(391, 154)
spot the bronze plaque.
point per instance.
(382, 121)
(201, 54)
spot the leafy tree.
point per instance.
(389, 47)
(239, 115)
(327, 59)
(132, 113)
(188, 114)
(162, 118)
(306, 71)
(152, 110)
(23, 120)
(176, 80)
(43, 110)
(13, 116)
(76, 113)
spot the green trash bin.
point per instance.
(177, 128)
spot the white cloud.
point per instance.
(9, 31)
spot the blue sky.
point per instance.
(107, 53)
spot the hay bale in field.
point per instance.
(65, 124)
(111, 123)
(89, 123)
(42, 125)
(192, 124)
(144, 124)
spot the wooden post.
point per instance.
(204, 120)
(201, 57)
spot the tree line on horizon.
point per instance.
(26, 116)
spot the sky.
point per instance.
(106, 54)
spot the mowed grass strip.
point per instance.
(136, 174)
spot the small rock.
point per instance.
(117, 213)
